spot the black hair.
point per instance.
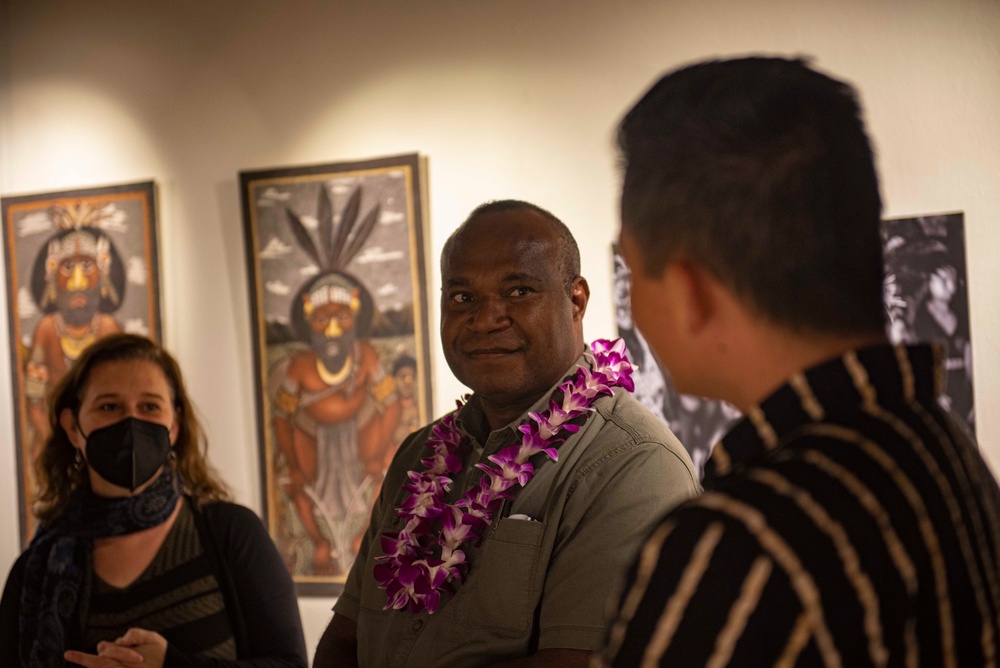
(402, 362)
(569, 252)
(760, 170)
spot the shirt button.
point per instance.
(418, 624)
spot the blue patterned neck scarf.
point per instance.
(57, 572)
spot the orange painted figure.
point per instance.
(334, 410)
(404, 371)
(77, 281)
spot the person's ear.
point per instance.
(579, 296)
(69, 424)
(689, 295)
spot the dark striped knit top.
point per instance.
(848, 521)
(177, 596)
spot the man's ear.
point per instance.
(68, 422)
(695, 290)
(579, 296)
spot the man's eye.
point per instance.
(520, 291)
(461, 297)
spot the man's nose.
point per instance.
(489, 314)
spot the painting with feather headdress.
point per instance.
(338, 294)
(81, 265)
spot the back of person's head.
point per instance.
(760, 170)
(568, 250)
(57, 473)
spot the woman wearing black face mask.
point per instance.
(139, 559)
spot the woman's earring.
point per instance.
(78, 462)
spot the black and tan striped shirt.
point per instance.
(177, 596)
(846, 522)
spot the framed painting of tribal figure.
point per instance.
(339, 305)
(81, 264)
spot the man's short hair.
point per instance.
(569, 252)
(760, 170)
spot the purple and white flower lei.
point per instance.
(423, 561)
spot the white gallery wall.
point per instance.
(506, 99)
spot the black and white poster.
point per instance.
(927, 297)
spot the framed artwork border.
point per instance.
(74, 208)
(413, 167)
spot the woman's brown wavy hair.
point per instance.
(58, 475)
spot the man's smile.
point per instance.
(490, 352)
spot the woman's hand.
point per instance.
(138, 647)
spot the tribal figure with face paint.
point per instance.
(334, 411)
(77, 283)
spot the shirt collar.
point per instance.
(472, 420)
(880, 374)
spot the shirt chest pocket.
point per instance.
(502, 587)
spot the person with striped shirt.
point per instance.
(847, 520)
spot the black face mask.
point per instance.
(128, 453)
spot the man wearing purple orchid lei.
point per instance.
(502, 529)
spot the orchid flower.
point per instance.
(532, 443)
(611, 360)
(509, 468)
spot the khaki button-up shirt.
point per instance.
(544, 575)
